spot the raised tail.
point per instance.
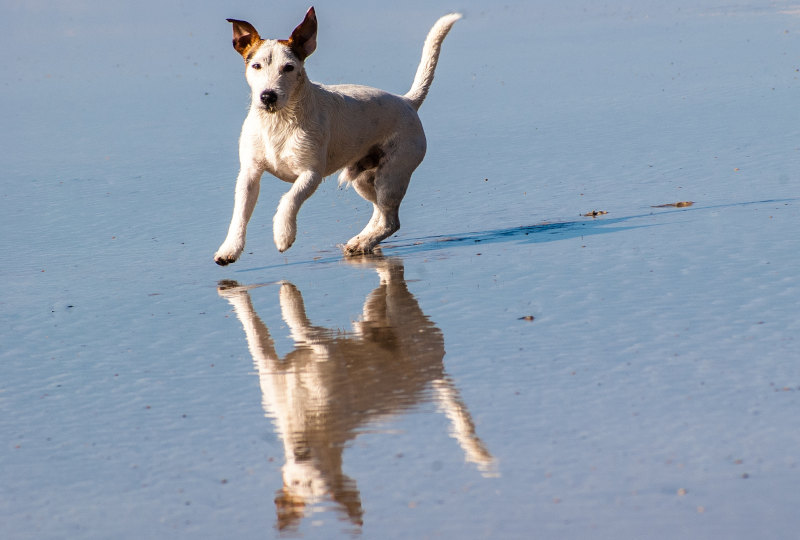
(430, 56)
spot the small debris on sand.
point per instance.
(681, 204)
(595, 213)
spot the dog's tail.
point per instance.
(430, 55)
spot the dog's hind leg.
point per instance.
(385, 193)
(382, 178)
(384, 223)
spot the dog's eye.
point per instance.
(287, 68)
(255, 65)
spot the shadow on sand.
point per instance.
(554, 231)
(534, 234)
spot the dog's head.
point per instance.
(274, 67)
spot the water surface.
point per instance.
(505, 368)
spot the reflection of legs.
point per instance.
(303, 332)
(393, 306)
(294, 311)
(239, 298)
(375, 313)
(262, 348)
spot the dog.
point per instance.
(301, 132)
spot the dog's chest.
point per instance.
(282, 151)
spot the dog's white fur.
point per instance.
(301, 132)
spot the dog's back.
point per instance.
(360, 118)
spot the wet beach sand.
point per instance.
(587, 326)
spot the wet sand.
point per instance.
(554, 344)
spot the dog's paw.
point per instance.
(284, 232)
(356, 246)
(225, 255)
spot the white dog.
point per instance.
(301, 132)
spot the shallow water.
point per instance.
(506, 368)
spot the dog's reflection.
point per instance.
(336, 383)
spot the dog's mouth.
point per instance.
(269, 100)
(271, 108)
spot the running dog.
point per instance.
(301, 132)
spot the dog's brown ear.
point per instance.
(304, 38)
(245, 36)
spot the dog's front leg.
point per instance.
(284, 224)
(247, 186)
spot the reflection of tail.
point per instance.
(463, 428)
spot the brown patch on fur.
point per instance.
(302, 42)
(371, 160)
(245, 38)
(364, 169)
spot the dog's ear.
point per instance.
(244, 36)
(304, 38)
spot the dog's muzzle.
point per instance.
(269, 98)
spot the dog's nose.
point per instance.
(269, 97)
